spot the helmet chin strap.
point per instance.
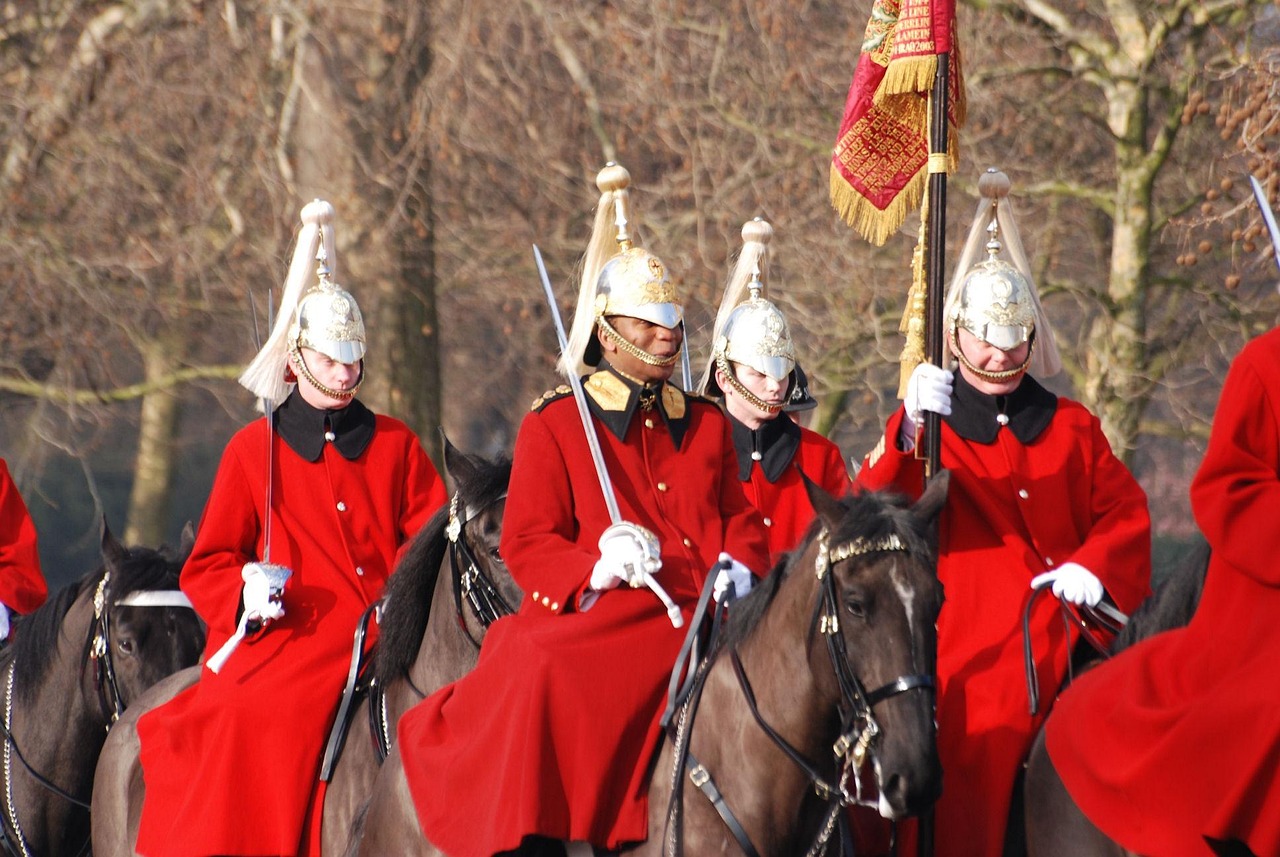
(985, 375)
(300, 366)
(722, 363)
(634, 350)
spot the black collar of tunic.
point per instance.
(975, 415)
(303, 427)
(615, 398)
(776, 440)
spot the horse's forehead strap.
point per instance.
(156, 598)
(468, 513)
(860, 546)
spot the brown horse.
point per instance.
(782, 715)
(74, 664)
(447, 588)
(1055, 825)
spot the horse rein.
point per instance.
(110, 700)
(858, 727)
(1103, 615)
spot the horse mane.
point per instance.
(1173, 602)
(411, 587)
(870, 515)
(35, 643)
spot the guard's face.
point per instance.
(987, 357)
(767, 389)
(661, 342)
(330, 373)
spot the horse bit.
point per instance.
(109, 698)
(858, 727)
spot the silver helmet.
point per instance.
(750, 330)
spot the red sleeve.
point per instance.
(22, 585)
(226, 539)
(1117, 547)
(424, 494)
(887, 468)
(1236, 492)
(539, 527)
(834, 477)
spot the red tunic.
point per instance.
(783, 500)
(553, 731)
(1015, 509)
(231, 764)
(1183, 729)
(22, 586)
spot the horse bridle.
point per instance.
(858, 727)
(110, 700)
(469, 581)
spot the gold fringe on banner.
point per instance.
(913, 320)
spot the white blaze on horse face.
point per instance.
(906, 592)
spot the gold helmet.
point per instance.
(325, 318)
(996, 299)
(618, 279)
(752, 332)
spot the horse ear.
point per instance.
(930, 504)
(187, 541)
(827, 507)
(113, 553)
(457, 464)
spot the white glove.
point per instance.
(4, 621)
(928, 389)
(734, 574)
(627, 552)
(1072, 582)
(263, 589)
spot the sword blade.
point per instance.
(1268, 217)
(580, 397)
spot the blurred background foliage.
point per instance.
(156, 155)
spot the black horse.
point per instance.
(74, 664)
(1055, 826)
(447, 588)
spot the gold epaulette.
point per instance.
(551, 395)
(876, 452)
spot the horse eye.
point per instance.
(856, 607)
(495, 554)
(125, 647)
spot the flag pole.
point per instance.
(939, 146)
(939, 133)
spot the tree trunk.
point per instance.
(150, 496)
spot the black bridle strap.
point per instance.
(482, 594)
(901, 684)
(677, 693)
(702, 778)
(338, 732)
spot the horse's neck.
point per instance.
(789, 669)
(59, 731)
(446, 653)
(792, 696)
